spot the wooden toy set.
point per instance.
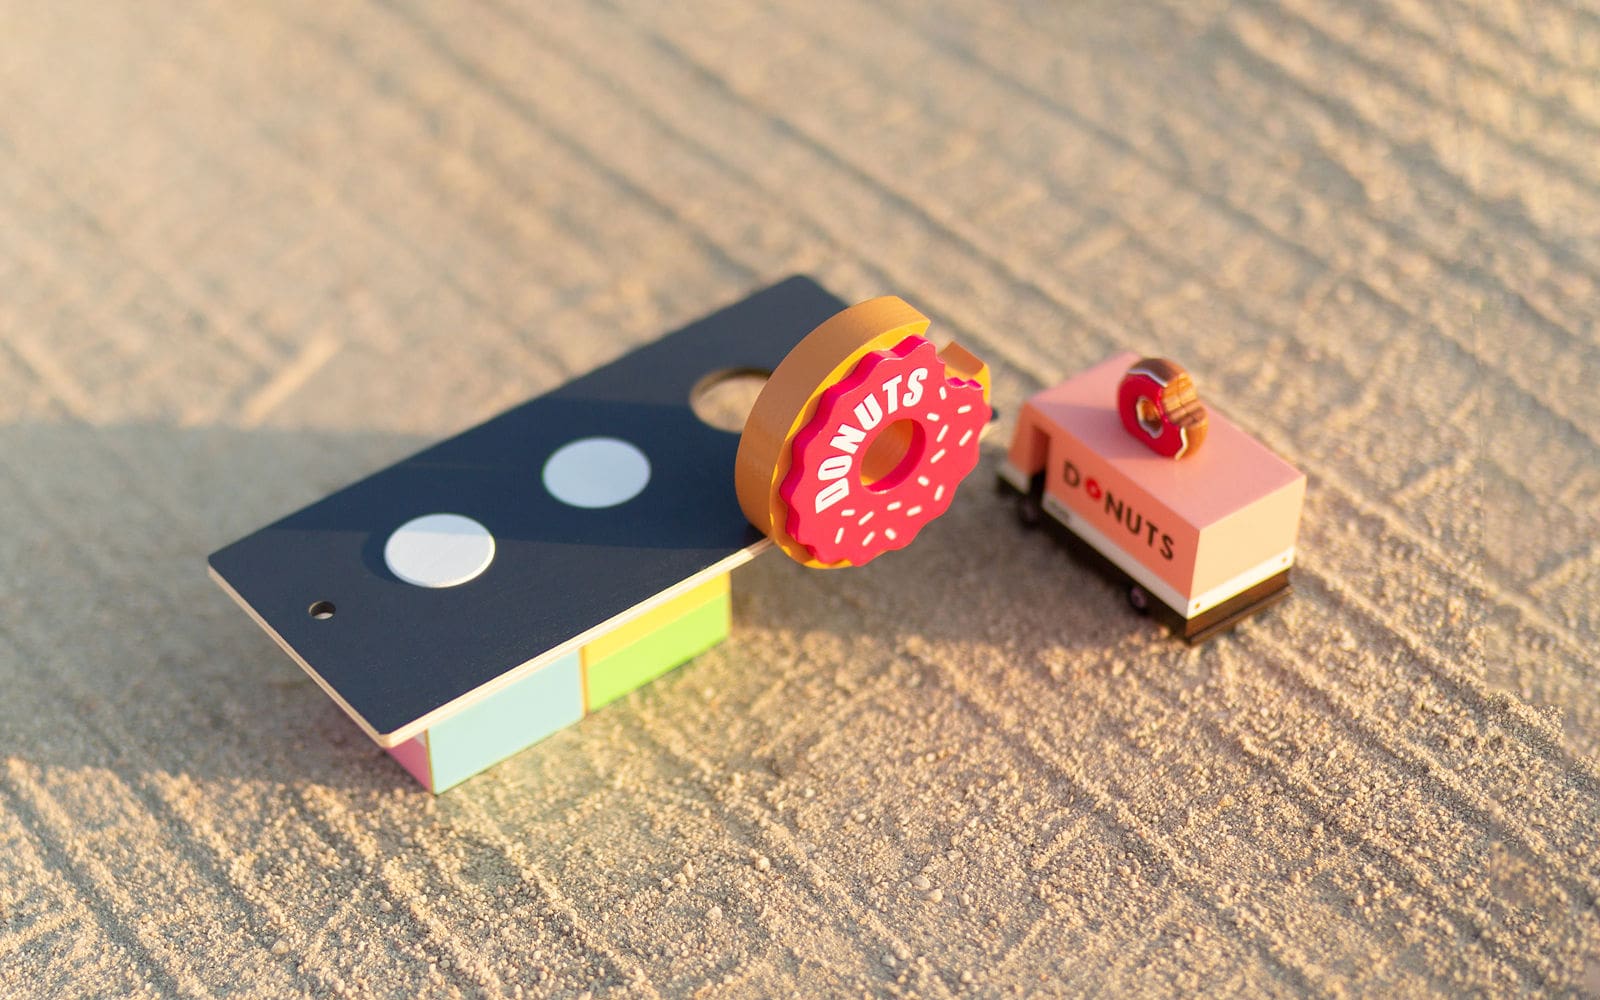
(480, 595)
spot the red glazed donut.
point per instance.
(864, 417)
(883, 454)
(1159, 406)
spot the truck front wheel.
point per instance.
(1030, 511)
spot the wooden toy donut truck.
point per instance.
(1193, 515)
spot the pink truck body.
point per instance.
(1211, 536)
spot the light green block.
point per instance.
(638, 664)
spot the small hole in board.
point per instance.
(723, 399)
(321, 610)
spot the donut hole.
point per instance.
(724, 399)
(1148, 414)
(892, 455)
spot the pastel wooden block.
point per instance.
(649, 656)
(508, 720)
(660, 617)
(413, 756)
(521, 714)
(1195, 532)
(496, 726)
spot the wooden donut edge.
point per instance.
(789, 400)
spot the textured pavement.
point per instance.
(250, 252)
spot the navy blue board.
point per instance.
(392, 653)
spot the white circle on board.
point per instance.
(439, 550)
(596, 472)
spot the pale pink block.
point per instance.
(413, 756)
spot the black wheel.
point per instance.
(1138, 599)
(1030, 512)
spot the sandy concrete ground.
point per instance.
(249, 252)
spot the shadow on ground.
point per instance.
(118, 652)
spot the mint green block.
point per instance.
(510, 720)
(637, 664)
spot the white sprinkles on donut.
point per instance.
(829, 454)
